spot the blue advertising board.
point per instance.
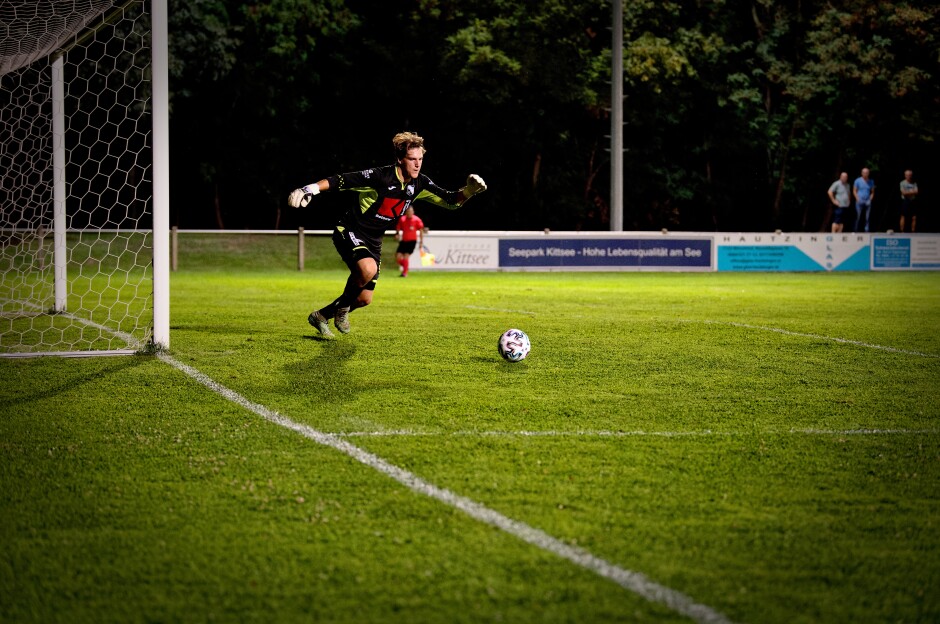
(596, 253)
(905, 252)
(891, 253)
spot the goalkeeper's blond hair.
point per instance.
(404, 141)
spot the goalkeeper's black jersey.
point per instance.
(383, 198)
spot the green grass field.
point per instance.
(765, 445)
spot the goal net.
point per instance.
(77, 227)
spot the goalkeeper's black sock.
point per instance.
(329, 311)
(346, 300)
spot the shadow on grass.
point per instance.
(503, 365)
(319, 338)
(48, 377)
(325, 373)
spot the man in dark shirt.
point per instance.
(384, 195)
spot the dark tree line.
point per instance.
(739, 113)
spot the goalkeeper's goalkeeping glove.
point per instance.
(475, 184)
(299, 198)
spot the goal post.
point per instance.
(161, 176)
(59, 223)
(84, 182)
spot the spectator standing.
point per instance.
(840, 198)
(864, 192)
(409, 231)
(909, 193)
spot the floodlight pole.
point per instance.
(161, 176)
(616, 120)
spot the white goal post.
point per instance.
(84, 182)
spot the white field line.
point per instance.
(630, 434)
(133, 344)
(786, 332)
(864, 432)
(629, 580)
(473, 307)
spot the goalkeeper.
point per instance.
(384, 195)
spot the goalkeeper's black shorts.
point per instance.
(352, 248)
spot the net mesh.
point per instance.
(106, 275)
(33, 30)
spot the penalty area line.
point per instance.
(404, 433)
(632, 581)
(473, 307)
(787, 332)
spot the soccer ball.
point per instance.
(514, 345)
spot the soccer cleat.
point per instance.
(319, 323)
(341, 320)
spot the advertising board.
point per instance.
(905, 252)
(792, 252)
(698, 251)
(625, 253)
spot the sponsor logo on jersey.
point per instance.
(391, 208)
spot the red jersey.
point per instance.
(409, 227)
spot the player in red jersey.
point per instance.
(409, 232)
(385, 193)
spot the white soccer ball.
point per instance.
(514, 345)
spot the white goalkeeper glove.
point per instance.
(299, 198)
(475, 184)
